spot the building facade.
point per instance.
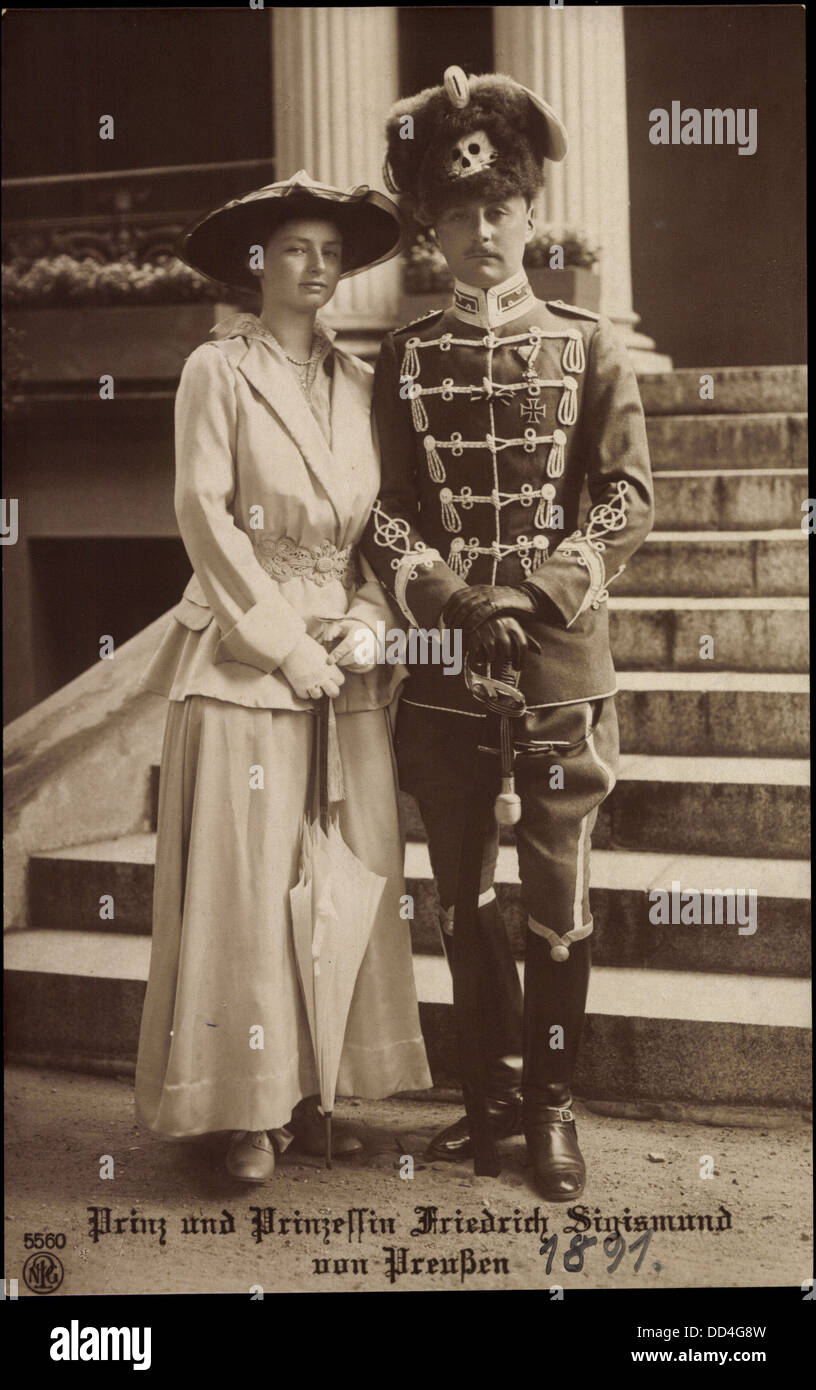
(700, 259)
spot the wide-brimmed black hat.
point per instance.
(219, 244)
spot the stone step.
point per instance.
(714, 713)
(664, 1035)
(649, 1034)
(694, 805)
(777, 893)
(704, 712)
(695, 442)
(730, 500)
(709, 805)
(668, 804)
(718, 564)
(737, 390)
(66, 886)
(748, 634)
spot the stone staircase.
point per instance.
(713, 794)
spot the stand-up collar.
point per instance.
(490, 308)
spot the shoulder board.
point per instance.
(423, 318)
(574, 310)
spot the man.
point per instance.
(492, 415)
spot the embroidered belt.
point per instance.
(282, 559)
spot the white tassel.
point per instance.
(450, 516)
(419, 414)
(543, 517)
(336, 784)
(539, 552)
(436, 468)
(573, 359)
(456, 559)
(507, 806)
(410, 360)
(568, 404)
(555, 459)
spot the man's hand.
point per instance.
(486, 615)
(501, 641)
(470, 607)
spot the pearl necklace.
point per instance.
(306, 372)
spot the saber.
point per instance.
(467, 970)
(472, 952)
(501, 694)
(507, 806)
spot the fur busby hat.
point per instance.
(219, 244)
(474, 137)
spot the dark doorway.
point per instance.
(87, 588)
(718, 239)
(430, 40)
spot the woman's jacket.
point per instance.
(270, 515)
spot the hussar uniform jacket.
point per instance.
(513, 451)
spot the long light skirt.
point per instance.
(222, 958)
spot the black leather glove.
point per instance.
(468, 608)
(502, 641)
(545, 610)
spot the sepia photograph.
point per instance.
(405, 534)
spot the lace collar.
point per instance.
(498, 305)
(250, 326)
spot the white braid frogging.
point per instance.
(393, 533)
(467, 499)
(587, 547)
(573, 360)
(532, 551)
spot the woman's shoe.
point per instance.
(308, 1126)
(251, 1156)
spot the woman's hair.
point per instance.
(276, 219)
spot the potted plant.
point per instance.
(560, 263)
(78, 320)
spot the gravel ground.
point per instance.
(60, 1125)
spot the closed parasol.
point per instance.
(334, 904)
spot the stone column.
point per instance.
(573, 56)
(335, 75)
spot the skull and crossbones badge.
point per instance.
(471, 154)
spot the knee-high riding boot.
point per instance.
(555, 994)
(504, 1026)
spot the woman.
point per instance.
(276, 472)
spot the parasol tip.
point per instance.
(327, 1119)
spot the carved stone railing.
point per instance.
(124, 214)
(133, 215)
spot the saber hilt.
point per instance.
(500, 692)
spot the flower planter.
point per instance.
(575, 286)
(136, 342)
